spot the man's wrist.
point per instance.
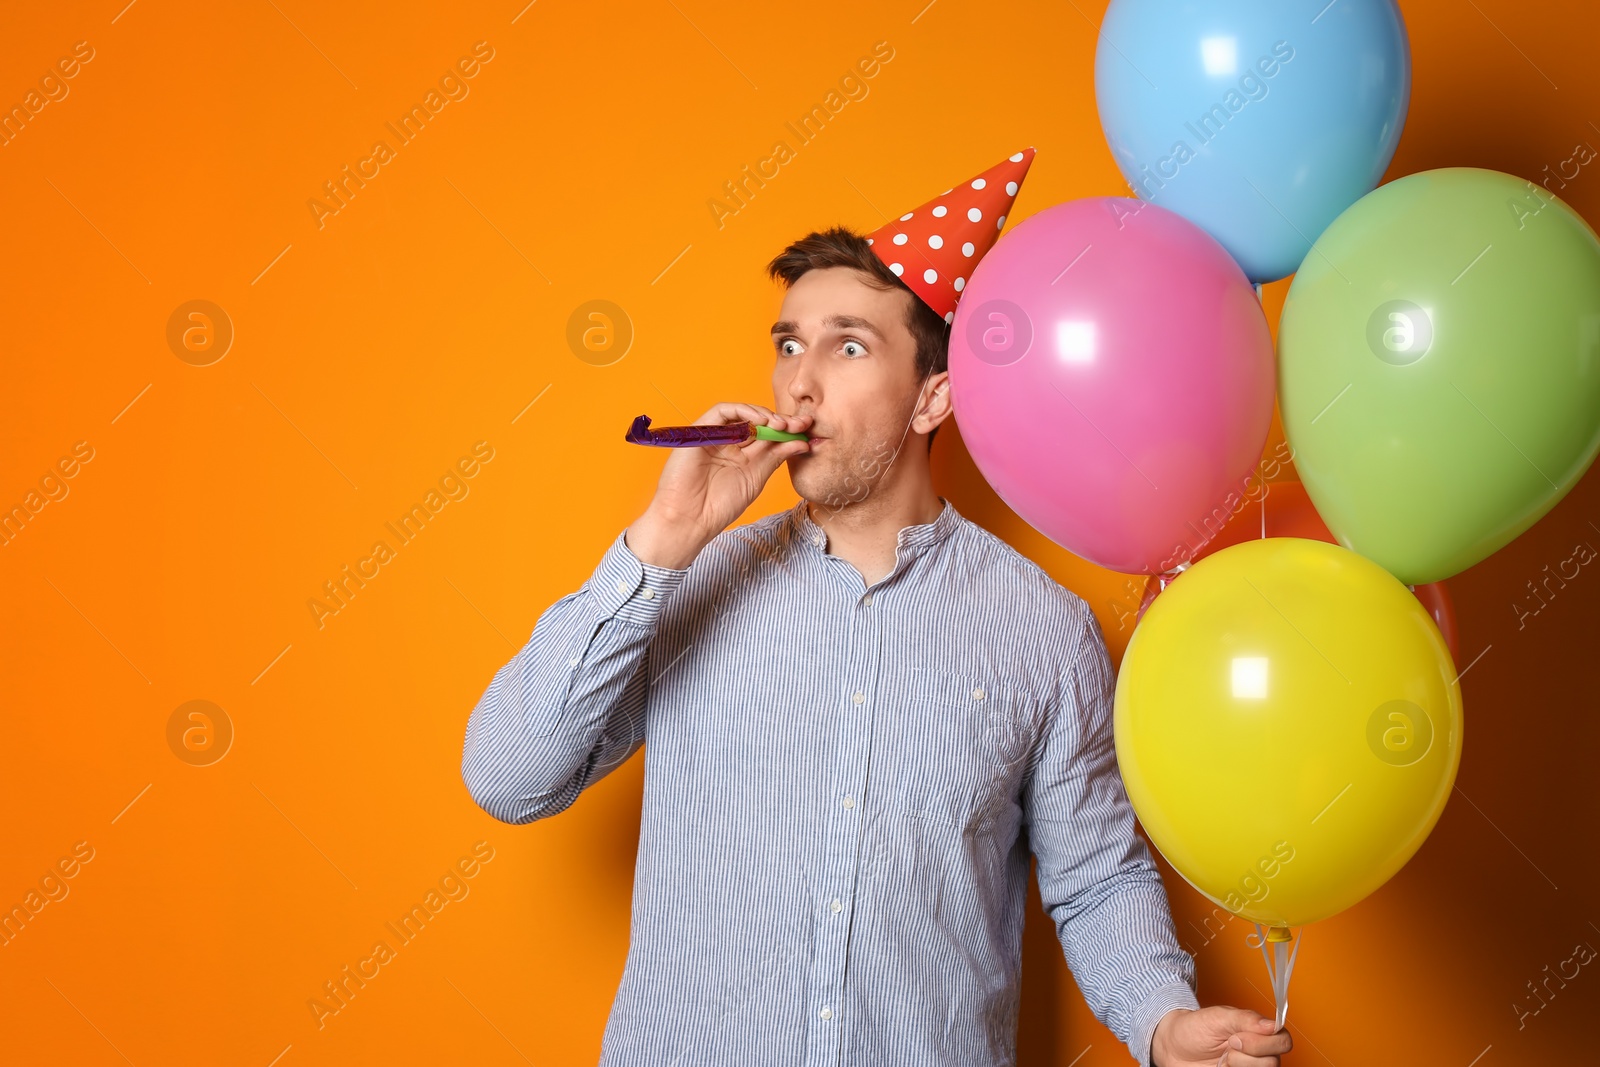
(662, 543)
(1158, 1039)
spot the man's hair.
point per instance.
(841, 247)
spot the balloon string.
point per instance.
(1280, 966)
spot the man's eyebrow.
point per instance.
(843, 322)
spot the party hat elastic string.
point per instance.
(1280, 970)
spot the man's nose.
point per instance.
(802, 384)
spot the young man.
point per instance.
(862, 714)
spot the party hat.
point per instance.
(934, 248)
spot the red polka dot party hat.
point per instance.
(934, 248)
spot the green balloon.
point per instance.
(1439, 367)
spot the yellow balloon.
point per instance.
(1288, 725)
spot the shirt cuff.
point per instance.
(1174, 994)
(625, 587)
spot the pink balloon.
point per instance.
(1113, 377)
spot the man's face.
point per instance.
(843, 354)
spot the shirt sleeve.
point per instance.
(570, 706)
(1097, 878)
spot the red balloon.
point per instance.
(1435, 596)
(1285, 510)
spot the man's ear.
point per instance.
(936, 405)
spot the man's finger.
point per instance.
(772, 454)
(721, 414)
(1245, 1020)
(1260, 1044)
(1240, 1059)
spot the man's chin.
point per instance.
(809, 477)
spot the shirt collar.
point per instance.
(916, 538)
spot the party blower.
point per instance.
(731, 433)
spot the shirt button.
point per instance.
(849, 801)
(977, 694)
(860, 697)
(826, 1012)
(866, 601)
(573, 662)
(622, 586)
(649, 594)
(836, 906)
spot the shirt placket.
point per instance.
(844, 830)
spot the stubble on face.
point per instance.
(847, 470)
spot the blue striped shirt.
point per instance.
(842, 786)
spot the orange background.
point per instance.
(428, 314)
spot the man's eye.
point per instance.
(860, 348)
(783, 346)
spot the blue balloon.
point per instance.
(1257, 120)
